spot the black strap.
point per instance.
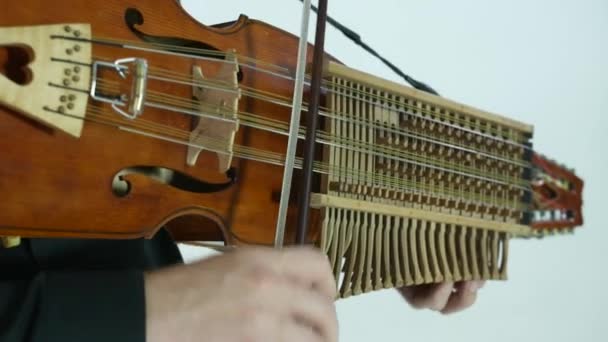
(356, 38)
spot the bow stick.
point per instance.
(311, 123)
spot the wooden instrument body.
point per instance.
(55, 185)
(409, 188)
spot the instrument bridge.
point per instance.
(216, 106)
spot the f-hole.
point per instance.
(14, 60)
(133, 17)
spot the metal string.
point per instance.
(171, 134)
(352, 93)
(186, 106)
(264, 123)
(282, 72)
(219, 85)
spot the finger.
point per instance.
(472, 285)
(292, 331)
(460, 300)
(315, 311)
(307, 266)
(305, 306)
(434, 297)
(480, 284)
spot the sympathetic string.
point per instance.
(174, 77)
(278, 71)
(182, 105)
(277, 159)
(387, 152)
(171, 134)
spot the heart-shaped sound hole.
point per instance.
(14, 60)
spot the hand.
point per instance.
(246, 295)
(444, 297)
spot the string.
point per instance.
(175, 103)
(266, 96)
(282, 72)
(391, 151)
(369, 97)
(271, 158)
(266, 158)
(172, 134)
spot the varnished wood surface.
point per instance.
(56, 185)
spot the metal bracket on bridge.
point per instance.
(133, 101)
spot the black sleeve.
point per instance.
(79, 290)
(74, 307)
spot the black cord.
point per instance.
(356, 38)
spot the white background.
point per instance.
(542, 62)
